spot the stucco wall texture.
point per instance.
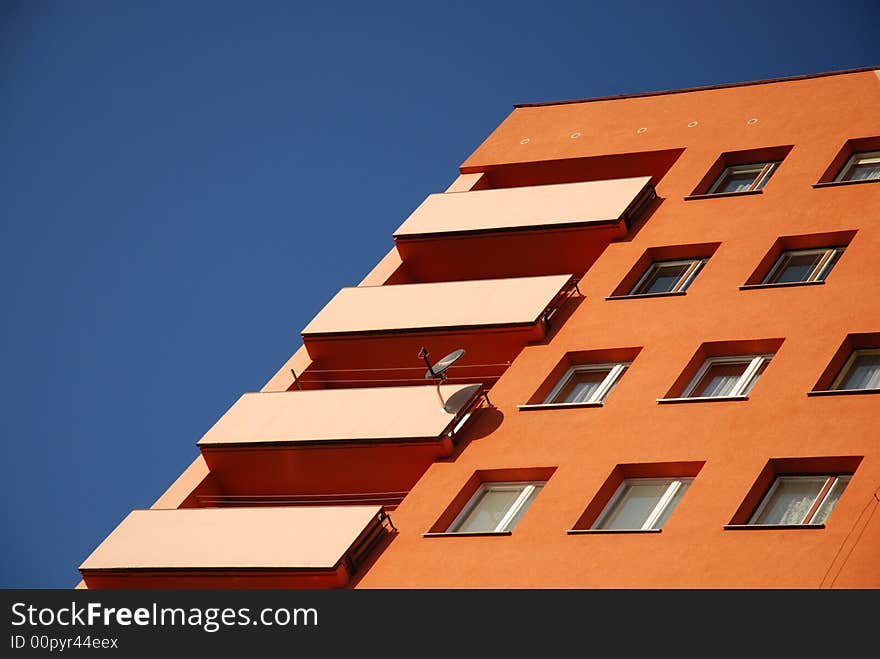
(726, 445)
(734, 439)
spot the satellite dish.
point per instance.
(437, 372)
(439, 369)
(457, 401)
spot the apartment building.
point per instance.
(635, 344)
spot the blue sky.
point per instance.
(185, 184)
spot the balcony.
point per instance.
(314, 547)
(332, 446)
(372, 335)
(522, 231)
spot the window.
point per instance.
(495, 507)
(803, 265)
(797, 492)
(586, 383)
(668, 277)
(727, 376)
(665, 270)
(582, 378)
(743, 178)
(741, 172)
(854, 368)
(801, 259)
(722, 370)
(797, 500)
(642, 504)
(861, 167)
(861, 371)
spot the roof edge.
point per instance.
(699, 89)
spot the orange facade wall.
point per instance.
(734, 439)
(726, 446)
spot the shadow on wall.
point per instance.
(642, 219)
(371, 558)
(562, 314)
(485, 421)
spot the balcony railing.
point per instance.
(443, 306)
(333, 446)
(371, 336)
(522, 231)
(589, 203)
(236, 548)
(328, 416)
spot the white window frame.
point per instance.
(762, 171)
(528, 488)
(820, 271)
(689, 275)
(663, 502)
(616, 371)
(848, 366)
(815, 507)
(742, 387)
(864, 157)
